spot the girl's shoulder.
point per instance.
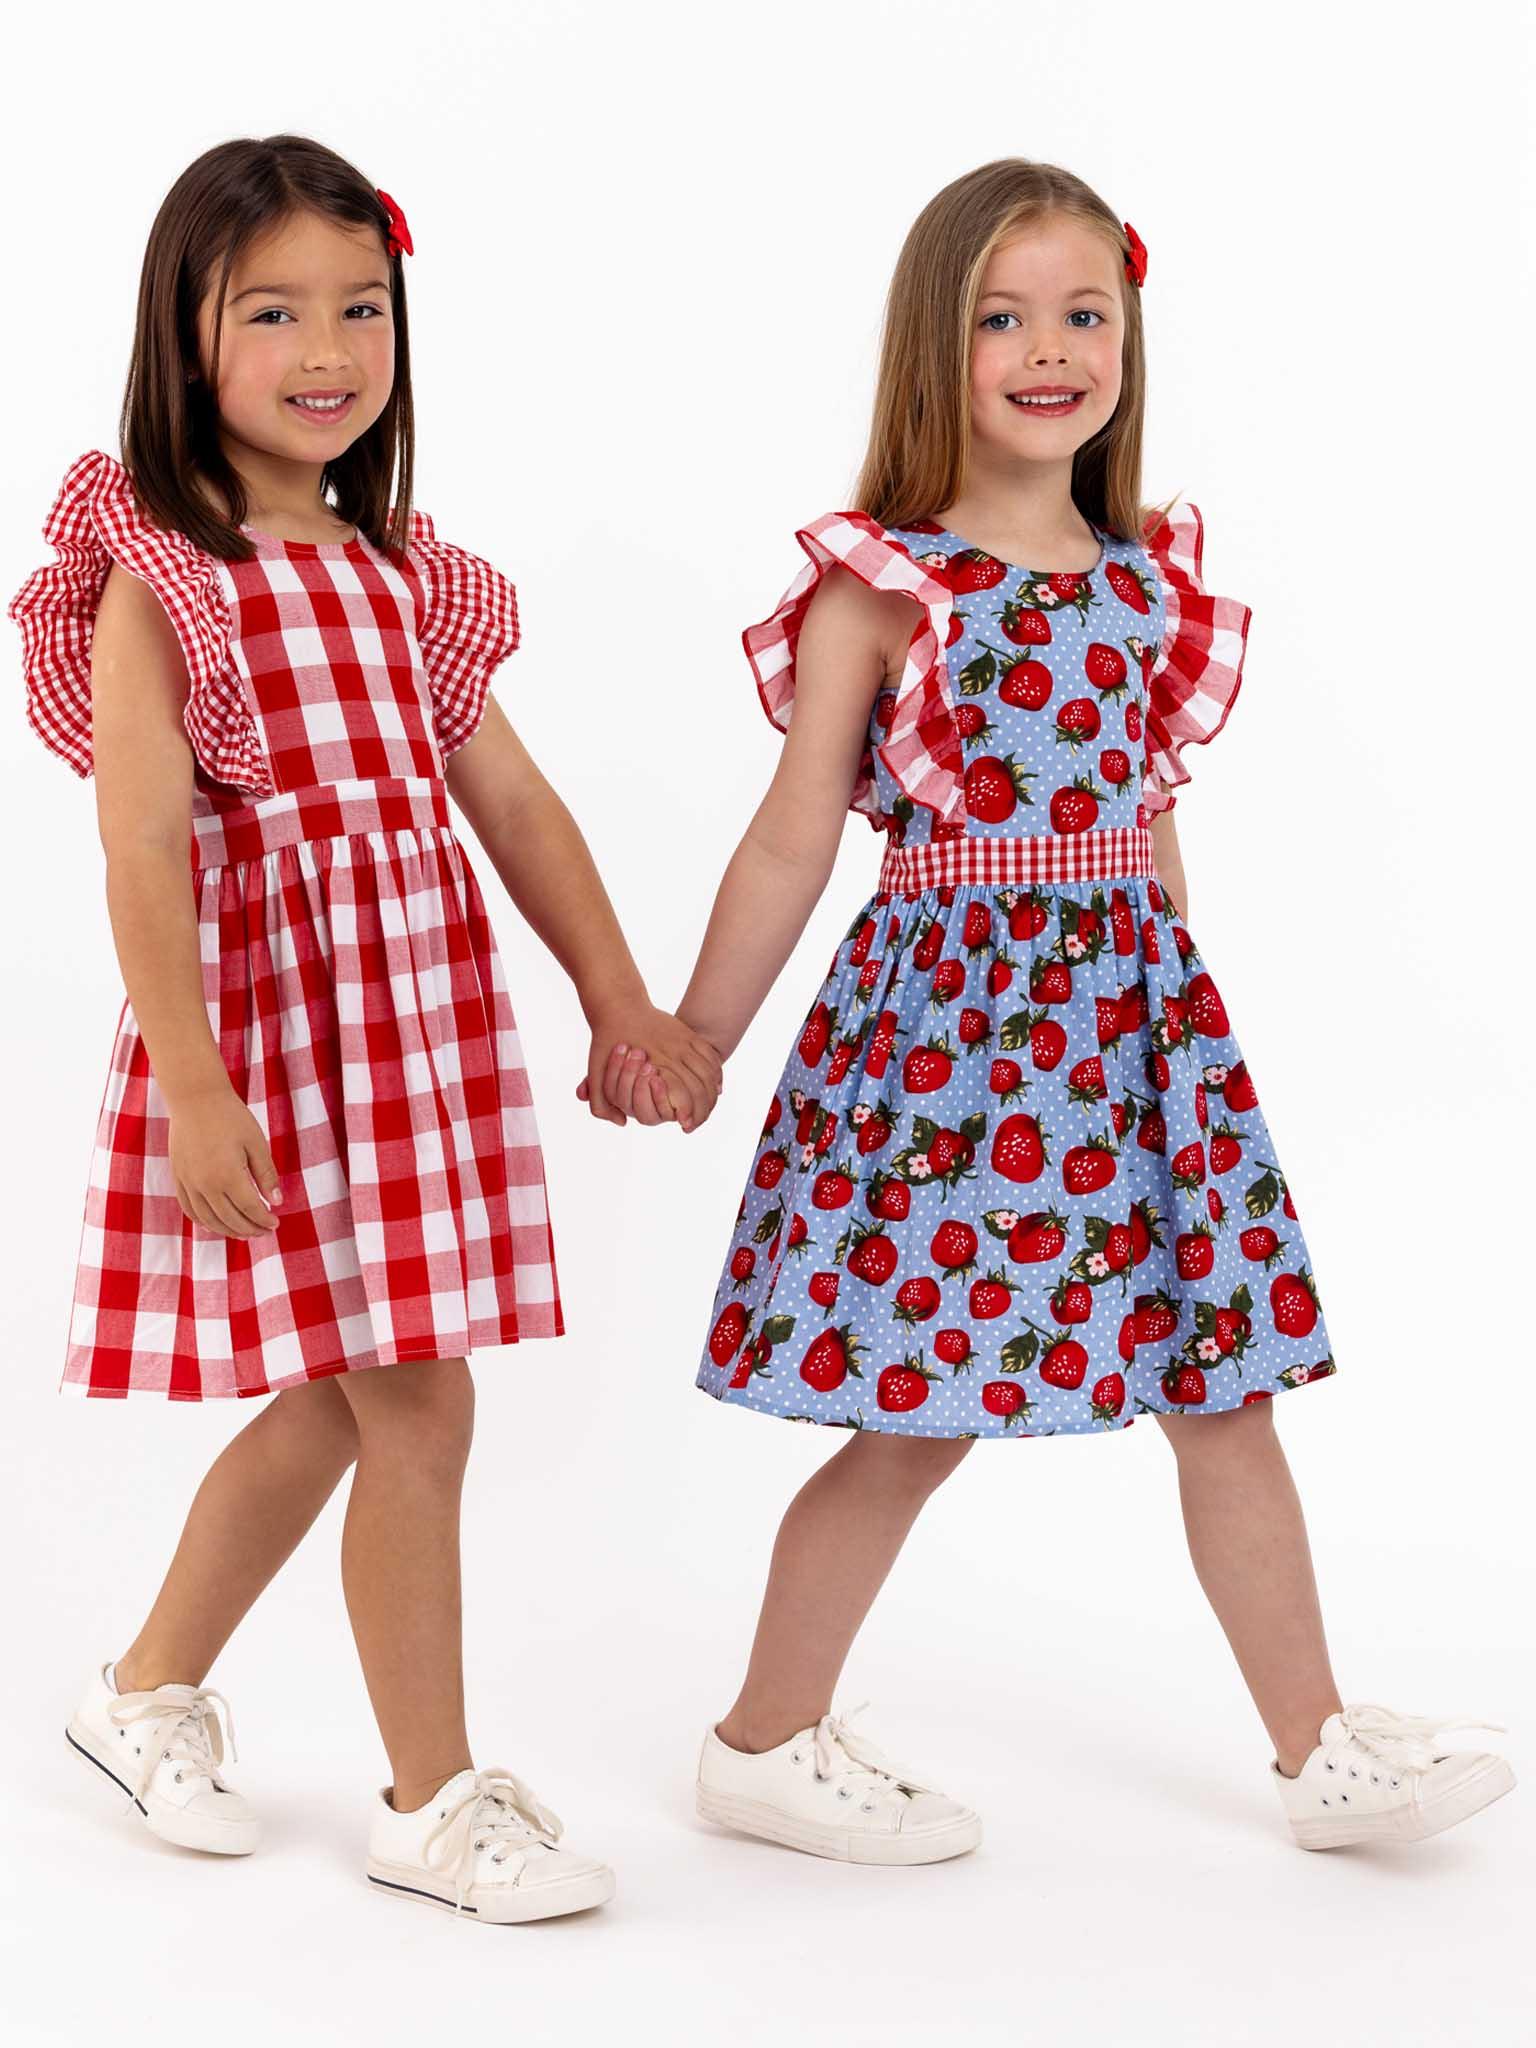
(467, 625)
(96, 522)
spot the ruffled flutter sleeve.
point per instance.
(95, 522)
(469, 625)
(1198, 670)
(921, 745)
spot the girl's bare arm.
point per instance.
(1167, 860)
(547, 869)
(143, 767)
(852, 640)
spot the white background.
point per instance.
(652, 249)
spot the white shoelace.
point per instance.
(194, 1738)
(1403, 1742)
(840, 1751)
(498, 1809)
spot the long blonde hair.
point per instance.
(919, 440)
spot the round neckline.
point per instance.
(305, 547)
(1019, 568)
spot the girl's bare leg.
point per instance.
(400, 1563)
(835, 1546)
(1248, 1544)
(259, 1498)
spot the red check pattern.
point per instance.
(350, 974)
(921, 747)
(1043, 857)
(1198, 672)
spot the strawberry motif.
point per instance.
(1188, 1167)
(1115, 768)
(1085, 1083)
(1087, 1168)
(994, 788)
(953, 1348)
(970, 570)
(917, 1299)
(1025, 625)
(743, 1260)
(1108, 1397)
(905, 1386)
(1207, 1009)
(822, 1288)
(1293, 1303)
(1018, 1149)
(833, 1189)
(1184, 1385)
(1072, 1302)
(1261, 1245)
(928, 1067)
(977, 928)
(1004, 1398)
(1239, 1093)
(1026, 685)
(1194, 1253)
(1157, 1317)
(1006, 1079)
(1000, 975)
(889, 1198)
(1064, 1364)
(817, 1035)
(882, 1040)
(863, 940)
(1051, 983)
(1077, 722)
(1226, 1149)
(1076, 808)
(1130, 586)
(1037, 1239)
(1105, 668)
(726, 1338)
(770, 1168)
(954, 1247)
(1028, 917)
(991, 1297)
(831, 1358)
(930, 943)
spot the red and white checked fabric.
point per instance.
(921, 747)
(352, 983)
(1193, 684)
(993, 859)
(1199, 668)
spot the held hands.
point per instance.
(225, 1179)
(649, 1065)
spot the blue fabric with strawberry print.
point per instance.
(1015, 1180)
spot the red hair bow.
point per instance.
(1136, 262)
(398, 241)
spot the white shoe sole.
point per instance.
(508, 1906)
(843, 1845)
(171, 1823)
(1411, 1823)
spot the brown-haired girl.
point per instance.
(317, 1174)
(1015, 1181)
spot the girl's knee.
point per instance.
(1222, 1432)
(426, 1406)
(315, 1417)
(915, 1464)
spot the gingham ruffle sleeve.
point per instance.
(468, 627)
(94, 523)
(921, 747)
(1198, 670)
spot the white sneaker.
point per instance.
(1376, 1776)
(831, 1793)
(483, 1845)
(163, 1750)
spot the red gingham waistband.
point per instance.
(1044, 857)
(333, 811)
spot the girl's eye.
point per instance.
(270, 315)
(1086, 313)
(987, 322)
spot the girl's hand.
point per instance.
(658, 1070)
(222, 1166)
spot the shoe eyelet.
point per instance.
(1325, 1799)
(137, 1751)
(178, 1777)
(1374, 1779)
(1353, 1772)
(867, 1807)
(795, 1757)
(1327, 1767)
(1393, 1783)
(1344, 1796)
(843, 1792)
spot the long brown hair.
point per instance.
(919, 441)
(169, 422)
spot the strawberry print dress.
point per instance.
(1015, 1180)
(350, 973)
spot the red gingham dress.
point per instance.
(349, 968)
